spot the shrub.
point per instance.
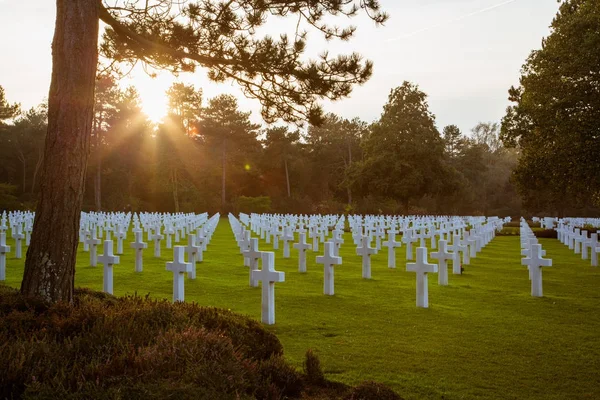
(372, 391)
(546, 233)
(312, 368)
(248, 205)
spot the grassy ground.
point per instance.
(483, 336)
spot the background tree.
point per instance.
(231, 135)
(7, 110)
(281, 144)
(404, 152)
(185, 105)
(555, 116)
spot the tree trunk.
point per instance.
(38, 164)
(287, 177)
(24, 162)
(50, 263)
(223, 177)
(348, 188)
(98, 180)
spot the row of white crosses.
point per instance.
(179, 266)
(472, 242)
(532, 250)
(577, 239)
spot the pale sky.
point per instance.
(465, 54)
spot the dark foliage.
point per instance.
(372, 391)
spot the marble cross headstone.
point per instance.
(192, 249)
(442, 255)
(302, 246)
(253, 255)
(328, 260)
(139, 247)
(18, 236)
(288, 237)
(535, 262)
(157, 237)
(365, 250)
(268, 276)
(4, 249)
(391, 244)
(108, 259)
(422, 267)
(93, 243)
(179, 268)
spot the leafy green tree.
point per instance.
(404, 152)
(555, 114)
(221, 37)
(229, 131)
(453, 140)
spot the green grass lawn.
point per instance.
(483, 336)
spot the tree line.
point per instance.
(208, 155)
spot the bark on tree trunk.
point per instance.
(50, 263)
(287, 177)
(38, 164)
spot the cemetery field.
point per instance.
(483, 336)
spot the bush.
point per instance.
(248, 205)
(312, 368)
(372, 391)
(155, 349)
(546, 233)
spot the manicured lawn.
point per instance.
(483, 336)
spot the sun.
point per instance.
(152, 91)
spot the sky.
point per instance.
(464, 54)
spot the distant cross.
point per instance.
(422, 267)
(253, 255)
(302, 247)
(4, 249)
(139, 247)
(179, 267)
(456, 248)
(18, 242)
(329, 260)
(595, 249)
(408, 239)
(108, 259)
(337, 241)
(391, 245)
(157, 237)
(191, 250)
(365, 250)
(268, 276)
(93, 242)
(442, 255)
(535, 263)
(288, 237)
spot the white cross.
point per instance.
(288, 237)
(192, 249)
(422, 267)
(328, 260)
(179, 267)
(3, 250)
(595, 249)
(168, 232)
(442, 255)
(253, 255)
(391, 244)
(139, 247)
(456, 248)
(337, 241)
(535, 263)
(302, 246)
(408, 240)
(18, 244)
(93, 242)
(157, 237)
(108, 259)
(120, 235)
(365, 250)
(268, 276)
